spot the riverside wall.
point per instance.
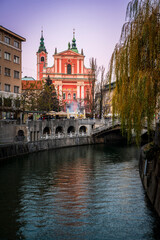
(33, 136)
(16, 149)
(149, 168)
(17, 139)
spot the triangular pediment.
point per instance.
(68, 53)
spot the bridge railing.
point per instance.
(107, 125)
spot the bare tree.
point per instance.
(92, 80)
(102, 69)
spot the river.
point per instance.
(86, 192)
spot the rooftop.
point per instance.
(12, 33)
(28, 79)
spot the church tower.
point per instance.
(41, 58)
(74, 48)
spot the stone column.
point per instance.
(82, 67)
(21, 118)
(60, 65)
(78, 66)
(72, 68)
(82, 92)
(78, 92)
(55, 65)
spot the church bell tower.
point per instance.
(41, 58)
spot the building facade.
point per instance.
(106, 99)
(72, 80)
(10, 71)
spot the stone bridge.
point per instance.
(111, 131)
(31, 131)
(106, 127)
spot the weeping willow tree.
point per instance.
(135, 63)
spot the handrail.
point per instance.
(106, 126)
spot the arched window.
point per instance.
(69, 69)
(71, 129)
(42, 59)
(20, 133)
(74, 96)
(69, 96)
(83, 129)
(46, 130)
(20, 136)
(59, 129)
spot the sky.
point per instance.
(97, 24)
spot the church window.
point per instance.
(64, 96)
(74, 96)
(69, 69)
(42, 59)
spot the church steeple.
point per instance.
(41, 58)
(74, 48)
(42, 47)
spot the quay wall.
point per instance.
(21, 148)
(37, 130)
(149, 168)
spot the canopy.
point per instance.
(51, 113)
(61, 113)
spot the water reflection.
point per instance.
(89, 192)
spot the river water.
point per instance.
(87, 192)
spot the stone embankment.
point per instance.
(149, 167)
(33, 136)
(17, 149)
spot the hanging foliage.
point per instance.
(135, 63)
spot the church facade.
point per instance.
(72, 80)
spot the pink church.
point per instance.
(70, 77)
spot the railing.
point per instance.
(62, 135)
(108, 124)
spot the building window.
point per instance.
(64, 96)
(69, 96)
(16, 89)
(0, 86)
(7, 40)
(0, 53)
(7, 101)
(16, 44)
(7, 72)
(7, 88)
(74, 96)
(16, 59)
(17, 103)
(69, 69)
(0, 70)
(16, 74)
(7, 56)
(42, 59)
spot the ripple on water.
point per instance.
(89, 192)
